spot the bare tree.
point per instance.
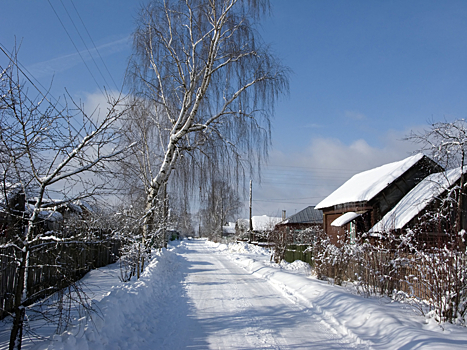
(221, 204)
(209, 84)
(48, 151)
(446, 142)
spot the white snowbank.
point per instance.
(124, 307)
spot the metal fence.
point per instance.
(299, 252)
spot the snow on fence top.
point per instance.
(417, 199)
(366, 185)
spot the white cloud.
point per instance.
(354, 115)
(358, 156)
(294, 181)
(96, 104)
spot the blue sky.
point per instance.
(365, 73)
(370, 65)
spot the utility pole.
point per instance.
(165, 211)
(251, 204)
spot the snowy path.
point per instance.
(237, 310)
(203, 295)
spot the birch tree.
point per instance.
(48, 150)
(210, 84)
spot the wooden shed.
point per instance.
(304, 219)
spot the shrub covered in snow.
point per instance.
(434, 279)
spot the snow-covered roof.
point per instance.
(229, 229)
(84, 204)
(47, 215)
(75, 206)
(264, 223)
(417, 199)
(309, 215)
(366, 185)
(345, 219)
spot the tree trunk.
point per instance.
(460, 204)
(16, 334)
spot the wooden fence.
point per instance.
(377, 272)
(53, 265)
(385, 272)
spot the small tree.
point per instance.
(442, 264)
(48, 151)
(221, 204)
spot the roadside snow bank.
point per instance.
(377, 322)
(297, 266)
(123, 313)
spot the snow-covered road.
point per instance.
(237, 310)
(204, 295)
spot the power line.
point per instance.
(76, 48)
(95, 47)
(84, 43)
(291, 183)
(281, 199)
(294, 176)
(310, 168)
(285, 201)
(22, 69)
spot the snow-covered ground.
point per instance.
(203, 295)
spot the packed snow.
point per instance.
(203, 295)
(366, 185)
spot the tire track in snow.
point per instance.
(314, 310)
(260, 328)
(326, 318)
(233, 302)
(272, 316)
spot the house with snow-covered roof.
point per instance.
(304, 219)
(12, 201)
(229, 229)
(365, 198)
(261, 225)
(419, 207)
(264, 223)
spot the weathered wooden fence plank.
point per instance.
(49, 264)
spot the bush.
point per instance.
(433, 278)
